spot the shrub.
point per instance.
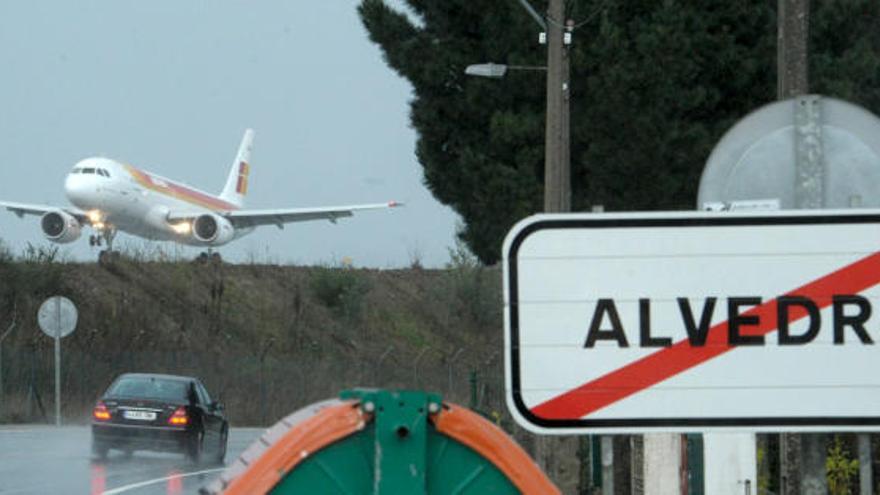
(474, 288)
(840, 470)
(6, 256)
(341, 289)
(39, 273)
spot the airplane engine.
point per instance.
(60, 227)
(212, 229)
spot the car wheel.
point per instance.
(221, 449)
(196, 447)
(99, 450)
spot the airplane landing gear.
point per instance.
(106, 234)
(209, 255)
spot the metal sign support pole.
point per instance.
(58, 362)
(865, 475)
(810, 194)
(57, 381)
(607, 447)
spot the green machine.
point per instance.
(384, 443)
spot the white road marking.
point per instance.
(133, 486)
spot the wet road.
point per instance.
(44, 460)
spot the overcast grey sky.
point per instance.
(170, 86)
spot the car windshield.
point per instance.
(149, 388)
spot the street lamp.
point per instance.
(497, 70)
(557, 166)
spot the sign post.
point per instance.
(693, 321)
(57, 318)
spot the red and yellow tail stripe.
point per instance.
(243, 171)
(183, 193)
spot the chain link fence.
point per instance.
(257, 388)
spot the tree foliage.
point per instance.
(654, 85)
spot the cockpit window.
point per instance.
(88, 170)
(103, 172)
(76, 171)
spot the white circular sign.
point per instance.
(756, 159)
(57, 316)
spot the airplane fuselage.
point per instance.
(138, 202)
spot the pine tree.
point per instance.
(654, 86)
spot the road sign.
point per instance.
(57, 317)
(693, 321)
(762, 156)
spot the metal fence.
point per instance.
(257, 388)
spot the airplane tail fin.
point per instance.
(237, 181)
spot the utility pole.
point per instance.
(802, 462)
(557, 157)
(557, 168)
(793, 20)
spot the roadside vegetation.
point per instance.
(266, 338)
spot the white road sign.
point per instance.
(694, 321)
(57, 317)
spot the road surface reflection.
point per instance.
(29, 452)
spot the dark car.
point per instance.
(166, 413)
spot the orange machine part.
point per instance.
(492, 443)
(305, 438)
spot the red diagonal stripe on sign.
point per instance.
(650, 370)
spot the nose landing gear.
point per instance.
(106, 234)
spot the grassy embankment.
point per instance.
(267, 339)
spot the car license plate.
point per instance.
(139, 415)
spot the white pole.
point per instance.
(729, 460)
(662, 461)
(57, 362)
(607, 448)
(865, 472)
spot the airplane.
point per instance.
(111, 196)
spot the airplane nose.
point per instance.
(77, 190)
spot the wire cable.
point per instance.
(577, 25)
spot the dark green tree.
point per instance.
(655, 84)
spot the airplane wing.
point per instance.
(22, 209)
(279, 217)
